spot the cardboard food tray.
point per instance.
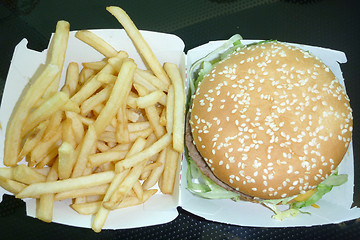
(334, 207)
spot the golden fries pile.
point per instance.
(105, 139)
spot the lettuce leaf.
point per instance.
(200, 185)
(294, 207)
(203, 66)
(323, 188)
(282, 215)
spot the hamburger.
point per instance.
(268, 123)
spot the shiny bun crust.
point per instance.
(271, 121)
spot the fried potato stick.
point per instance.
(152, 79)
(20, 113)
(37, 189)
(54, 125)
(48, 79)
(104, 157)
(45, 204)
(102, 213)
(151, 113)
(170, 109)
(149, 99)
(86, 146)
(179, 106)
(33, 139)
(84, 192)
(97, 66)
(125, 186)
(169, 173)
(93, 207)
(11, 185)
(66, 160)
(155, 174)
(155, 148)
(138, 40)
(72, 79)
(117, 97)
(93, 84)
(57, 51)
(27, 175)
(96, 42)
(45, 110)
(45, 147)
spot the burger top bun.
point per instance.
(271, 121)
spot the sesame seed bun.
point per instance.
(271, 121)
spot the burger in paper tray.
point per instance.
(267, 122)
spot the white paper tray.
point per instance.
(334, 207)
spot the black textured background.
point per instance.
(327, 23)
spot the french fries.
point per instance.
(170, 110)
(57, 54)
(155, 174)
(32, 95)
(45, 110)
(168, 175)
(84, 152)
(66, 160)
(37, 189)
(109, 156)
(27, 175)
(155, 148)
(117, 97)
(105, 138)
(179, 106)
(72, 79)
(140, 43)
(150, 99)
(96, 42)
(44, 207)
(84, 192)
(93, 207)
(152, 113)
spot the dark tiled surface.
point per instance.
(332, 24)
